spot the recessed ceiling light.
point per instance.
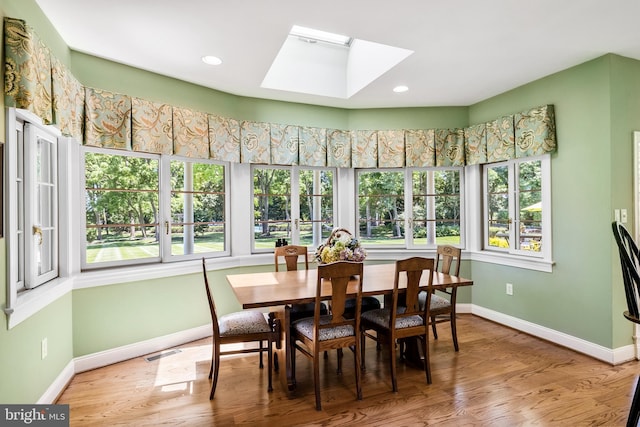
(400, 89)
(211, 60)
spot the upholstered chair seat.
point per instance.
(242, 323)
(381, 317)
(305, 327)
(437, 302)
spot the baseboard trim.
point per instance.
(58, 385)
(612, 356)
(118, 354)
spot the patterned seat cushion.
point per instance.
(243, 322)
(305, 327)
(437, 301)
(381, 317)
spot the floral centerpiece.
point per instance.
(340, 246)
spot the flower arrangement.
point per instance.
(340, 246)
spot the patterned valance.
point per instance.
(107, 119)
(38, 82)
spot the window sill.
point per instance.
(112, 276)
(529, 263)
(32, 301)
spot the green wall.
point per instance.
(597, 108)
(25, 375)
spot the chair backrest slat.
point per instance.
(340, 274)
(446, 255)
(291, 255)
(413, 269)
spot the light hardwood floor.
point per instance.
(500, 377)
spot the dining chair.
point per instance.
(630, 263)
(443, 308)
(240, 327)
(319, 333)
(292, 255)
(406, 317)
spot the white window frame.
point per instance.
(408, 207)
(164, 211)
(24, 300)
(295, 203)
(545, 255)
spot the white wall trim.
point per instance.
(614, 356)
(58, 385)
(130, 351)
(119, 354)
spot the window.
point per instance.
(292, 203)
(517, 207)
(427, 203)
(130, 220)
(32, 212)
(199, 209)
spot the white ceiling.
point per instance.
(465, 51)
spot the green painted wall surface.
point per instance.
(577, 297)
(25, 375)
(625, 118)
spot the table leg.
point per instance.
(283, 349)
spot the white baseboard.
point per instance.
(612, 356)
(114, 355)
(119, 354)
(58, 385)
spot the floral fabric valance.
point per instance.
(38, 82)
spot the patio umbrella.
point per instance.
(536, 207)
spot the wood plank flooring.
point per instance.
(500, 377)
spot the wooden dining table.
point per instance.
(283, 288)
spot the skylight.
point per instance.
(311, 35)
(339, 66)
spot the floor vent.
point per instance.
(158, 356)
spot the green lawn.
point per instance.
(123, 249)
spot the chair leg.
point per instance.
(392, 362)
(454, 333)
(339, 355)
(433, 327)
(216, 369)
(270, 362)
(634, 411)
(363, 345)
(261, 348)
(357, 359)
(427, 364)
(316, 380)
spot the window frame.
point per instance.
(23, 303)
(164, 211)
(165, 214)
(295, 196)
(513, 165)
(409, 243)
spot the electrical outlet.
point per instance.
(509, 288)
(623, 216)
(43, 348)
